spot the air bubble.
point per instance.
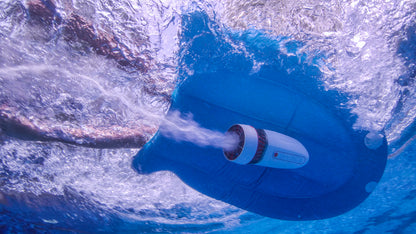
(373, 140)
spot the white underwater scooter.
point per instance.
(266, 148)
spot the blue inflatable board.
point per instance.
(284, 96)
(340, 174)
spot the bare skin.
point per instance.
(133, 136)
(77, 29)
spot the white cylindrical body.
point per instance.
(266, 148)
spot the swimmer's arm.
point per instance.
(104, 137)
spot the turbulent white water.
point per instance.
(46, 79)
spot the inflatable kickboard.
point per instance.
(343, 167)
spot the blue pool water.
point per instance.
(359, 54)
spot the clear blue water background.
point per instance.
(365, 50)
